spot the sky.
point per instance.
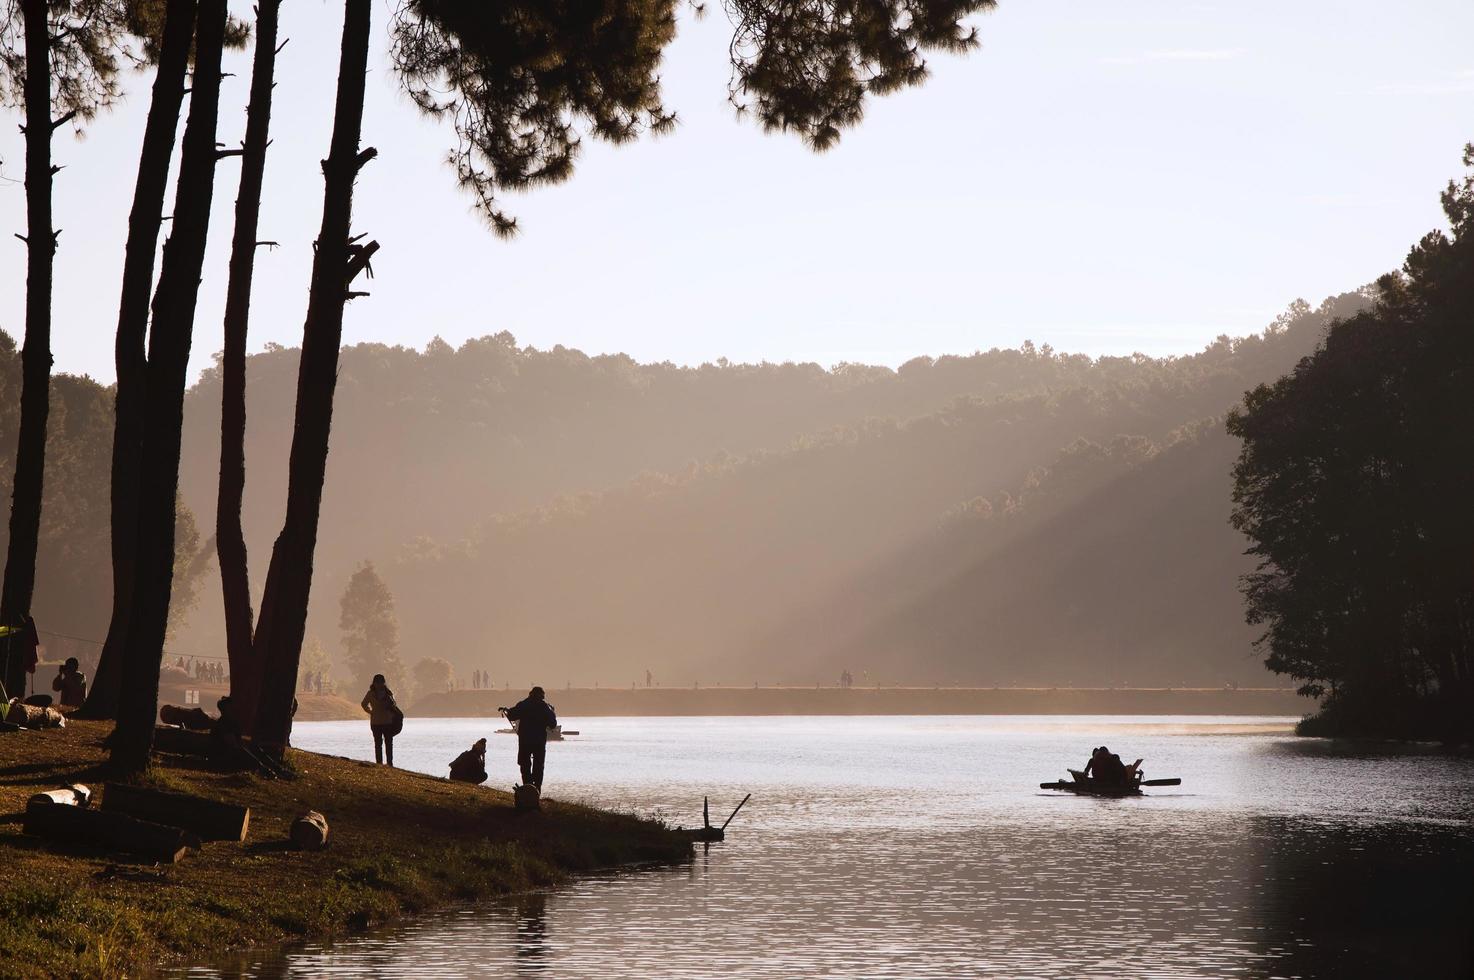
(1109, 178)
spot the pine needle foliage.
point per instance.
(523, 81)
(89, 42)
(145, 21)
(806, 66)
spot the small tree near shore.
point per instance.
(432, 675)
(370, 629)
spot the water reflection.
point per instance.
(1364, 901)
(530, 913)
(922, 848)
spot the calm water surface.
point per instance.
(922, 847)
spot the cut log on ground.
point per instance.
(66, 796)
(182, 741)
(91, 827)
(207, 819)
(527, 798)
(30, 716)
(310, 831)
(195, 719)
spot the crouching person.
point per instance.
(470, 765)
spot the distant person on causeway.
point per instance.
(534, 716)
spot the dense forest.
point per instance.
(588, 517)
(1354, 483)
(74, 579)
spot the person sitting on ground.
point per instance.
(533, 716)
(470, 765)
(72, 684)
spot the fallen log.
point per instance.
(182, 741)
(108, 830)
(66, 796)
(309, 832)
(30, 716)
(206, 819)
(195, 719)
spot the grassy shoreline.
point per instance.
(402, 843)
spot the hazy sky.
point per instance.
(1107, 177)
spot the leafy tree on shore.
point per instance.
(1353, 486)
(370, 629)
(432, 675)
(315, 660)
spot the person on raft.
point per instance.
(71, 683)
(382, 712)
(1106, 766)
(470, 765)
(534, 716)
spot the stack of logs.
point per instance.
(154, 824)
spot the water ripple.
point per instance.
(921, 847)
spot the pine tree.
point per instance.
(58, 63)
(370, 629)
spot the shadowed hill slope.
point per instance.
(776, 564)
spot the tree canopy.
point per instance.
(1353, 485)
(370, 629)
(522, 81)
(89, 46)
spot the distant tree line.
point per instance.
(1355, 486)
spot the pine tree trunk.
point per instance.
(289, 578)
(230, 539)
(138, 273)
(163, 408)
(30, 457)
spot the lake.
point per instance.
(923, 847)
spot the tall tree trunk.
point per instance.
(230, 539)
(163, 402)
(289, 577)
(138, 276)
(30, 457)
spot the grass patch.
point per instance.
(402, 842)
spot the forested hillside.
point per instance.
(585, 517)
(74, 578)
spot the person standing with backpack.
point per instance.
(534, 716)
(385, 718)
